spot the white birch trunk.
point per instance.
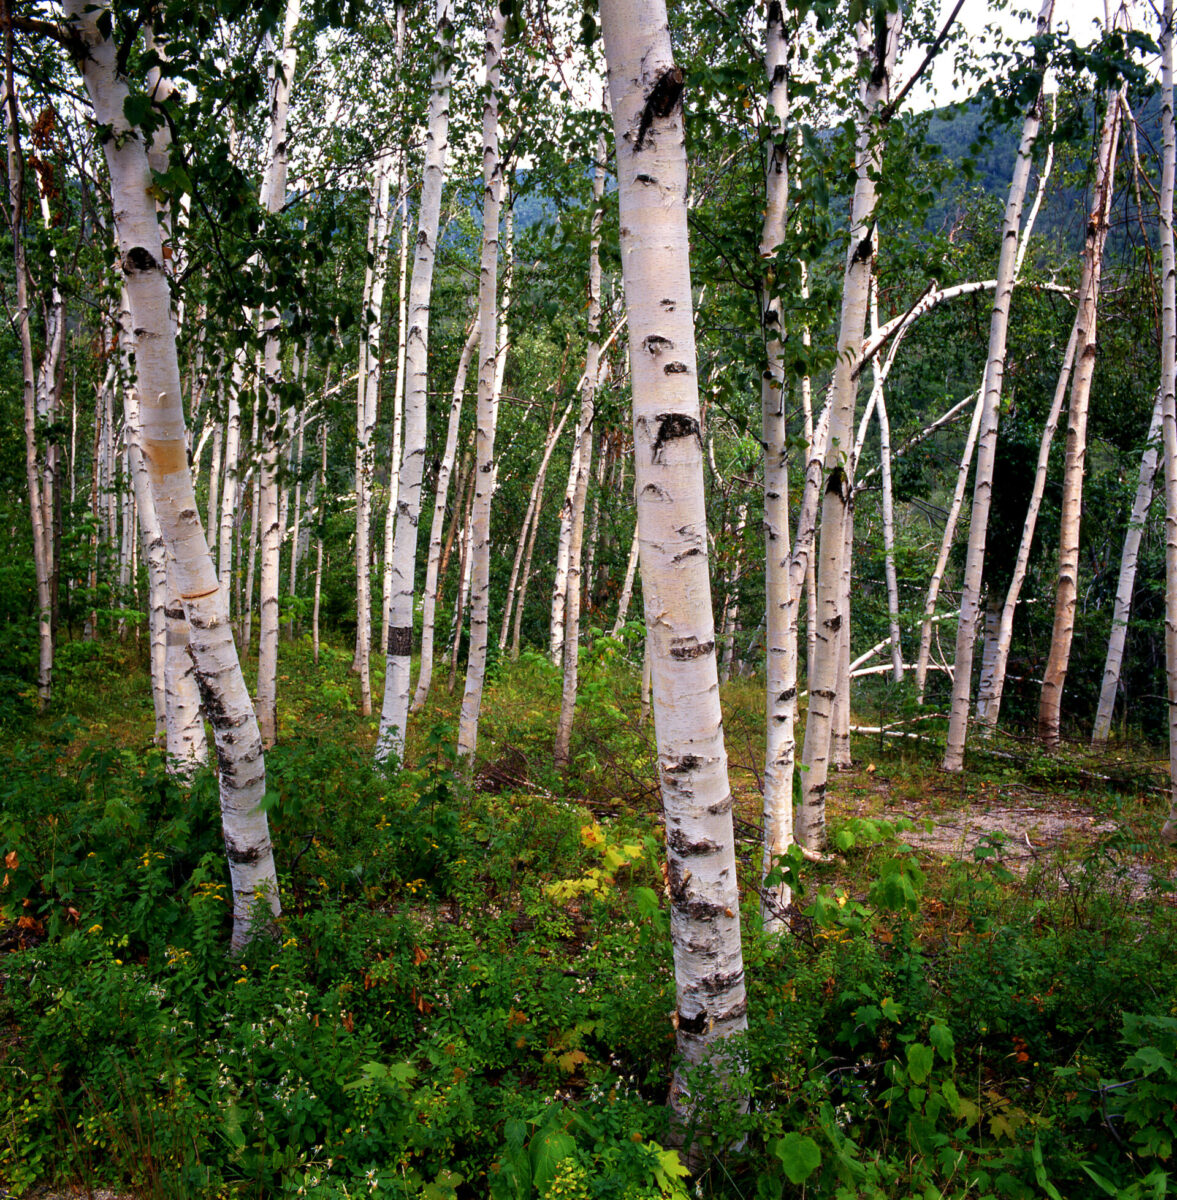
(445, 471)
(946, 540)
(1067, 589)
(273, 198)
(992, 686)
(987, 436)
(877, 59)
(563, 541)
(1169, 401)
(395, 712)
(322, 490)
(631, 568)
(587, 412)
(488, 382)
(239, 751)
(645, 89)
(1127, 579)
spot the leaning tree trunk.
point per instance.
(987, 444)
(1169, 402)
(1123, 604)
(645, 87)
(274, 198)
(395, 712)
(876, 51)
(484, 438)
(239, 749)
(1067, 590)
(992, 683)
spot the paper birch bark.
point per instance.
(484, 437)
(877, 48)
(320, 524)
(395, 712)
(587, 410)
(992, 683)
(239, 750)
(987, 436)
(1067, 588)
(1127, 578)
(273, 199)
(631, 568)
(367, 401)
(645, 89)
(780, 598)
(444, 472)
(563, 541)
(1169, 399)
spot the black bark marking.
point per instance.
(775, 15)
(645, 179)
(400, 640)
(696, 1024)
(721, 806)
(660, 103)
(837, 482)
(139, 258)
(672, 426)
(252, 855)
(787, 695)
(684, 847)
(694, 553)
(686, 648)
(675, 368)
(834, 623)
(654, 491)
(656, 343)
(719, 982)
(669, 305)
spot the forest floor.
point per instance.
(473, 992)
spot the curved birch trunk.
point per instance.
(1169, 401)
(645, 89)
(1127, 578)
(990, 411)
(484, 438)
(273, 197)
(1067, 590)
(395, 711)
(239, 750)
(429, 596)
(319, 542)
(876, 51)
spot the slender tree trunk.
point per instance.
(840, 726)
(992, 685)
(322, 489)
(42, 534)
(987, 436)
(889, 540)
(1067, 590)
(231, 488)
(395, 713)
(962, 479)
(631, 568)
(587, 411)
(529, 517)
(645, 87)
(1123, 605)
(877, 58)
(564, 539)
(239, 750)
(484, 438)
(274, 198)
(459, 621)
(1169, 401)
(429, 614)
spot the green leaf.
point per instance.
(941, 1037)
(548, 1150)
(799, 1155)
(1040, 1172)
(919, 1061)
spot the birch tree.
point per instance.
(239, 749)
(645, 88)
(395, 711)
(990, 410)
